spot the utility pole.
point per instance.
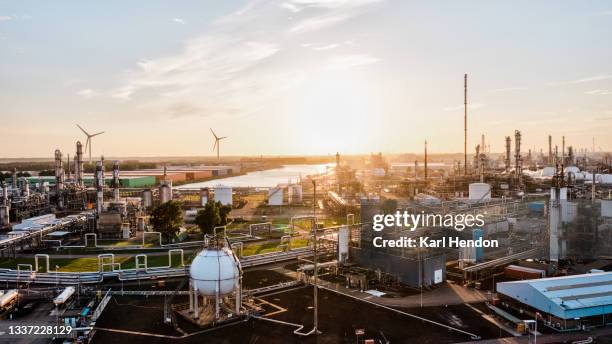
(465, 124)
(316, 274)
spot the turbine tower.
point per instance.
(88, 142)
(217, 142)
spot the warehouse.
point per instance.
(564, 303)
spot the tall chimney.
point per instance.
(550, 159)
(508, 150)
(563, 150)
(79, 163)
(517, 157)
(99, 183)
(465, 124)
(425, 159)
(116, 180)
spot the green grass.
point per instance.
(90, 264)
(271, 247)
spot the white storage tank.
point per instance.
(275, 196)
(343, 244)
(548, 171)
(295, 193)
(606, 208)
(215, 270)
(479, 192)
(223, 194)
(165, 191)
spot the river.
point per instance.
(263, 179)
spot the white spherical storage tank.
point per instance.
(223, 194)
(214, 270)
(479, 191)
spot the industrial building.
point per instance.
(564, 303)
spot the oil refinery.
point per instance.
(391, 172)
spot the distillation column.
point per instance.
(99, 181)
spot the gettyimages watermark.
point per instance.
(414, 221)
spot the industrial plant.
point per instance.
(369, 190)
(100, 251)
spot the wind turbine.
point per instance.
(217, 142)
(88, 142)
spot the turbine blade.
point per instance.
(96, 134)
(222, 137)
(215, 145)
(215, 135)
(83, 130)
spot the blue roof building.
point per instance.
(568, 297)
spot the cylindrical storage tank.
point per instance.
(606, 208)
(604, 179)
(479, 191)
(343, 244)
(140, 223)
(548, 171)
(215, 271)
(165, 191)
(223, 194)
(147, 198)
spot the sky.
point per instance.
(294, 77)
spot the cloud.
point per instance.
(87, 93)
(317, 23)
(349, 61)
(598, 92)
(600, 77)
(291, 7)
(179, 20)
(325, 47)
(241, 64)
(5, 18)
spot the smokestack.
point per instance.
(99, 182)
(59, 171)
(425, 159)
(116, 180)
(508, 149)
(563, 150)
(4, 206)
(465, 124)
(517, 157)
(416, 165)
(550, 160)
(79, 163)
(14, 178)
(482, 144)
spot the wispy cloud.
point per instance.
(87, 93)
(5, 18)
(349, 61)
(593, 78)
(325, 47)
(599, 92)
(239, 64)
(317, 23)
(179, 20)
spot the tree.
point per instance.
(214, 214)
(167, 218)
